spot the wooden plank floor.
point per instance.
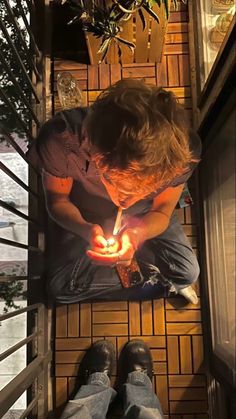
(172, 330)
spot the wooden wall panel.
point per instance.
(115, 73)
(110, 306)
(173, 354)
(173, 70)
(162, 391)
(104, 76)
(134, 318)
(93, 77)
(141, 53)
(139, 71)
(146, 318)
(85, 320)
(184, 329)
(73, 320)
(185, 355)
(197, 353)
(61, 391)
(110, 317)
(61, 321)
(69, 357)
(184, 71)
(72, 344)
(159, 317)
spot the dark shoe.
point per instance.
(100, 357)
(135, 356)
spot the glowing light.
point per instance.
(111, 241)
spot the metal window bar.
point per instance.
(17, 346)
(18, 88)
(16, 179)
(18, 213)
(18, 59)
(8, 137)
(22, 40)
(19, 245)
(4, 278)
(34, 370)
(32, 2)
(12, 391)
(29, 4)
(20, 311)
(31, 35)
(30, 407)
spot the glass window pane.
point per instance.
(219, 207)
(215, 19)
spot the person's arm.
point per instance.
(152, 224)
(63, 211)
(156, 221)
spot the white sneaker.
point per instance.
(189, 294)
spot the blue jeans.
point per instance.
(92, 400)
(165, 260)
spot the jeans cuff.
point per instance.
(139, 378)
(100, 379)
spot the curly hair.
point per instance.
(139, 133)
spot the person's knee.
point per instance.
(191, 270)
(54, 289)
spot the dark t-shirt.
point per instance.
(61, 151)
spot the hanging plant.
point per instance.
(105, 21)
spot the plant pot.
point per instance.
(149, 42)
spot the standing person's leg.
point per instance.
(136, 369)
(174, 257)
(93, 399)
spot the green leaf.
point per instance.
(152, 3)
(141, 15)
(105, 51)
(119, 51)
(73, 20)
(175, 4)
(151, 13)
(124, 41)
(104, 45)
(166, 4)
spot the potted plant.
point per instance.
(113, 26)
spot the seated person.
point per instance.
(132, 149)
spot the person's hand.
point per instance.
(97, 239)
(122, 255)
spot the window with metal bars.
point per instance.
(24, 350)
